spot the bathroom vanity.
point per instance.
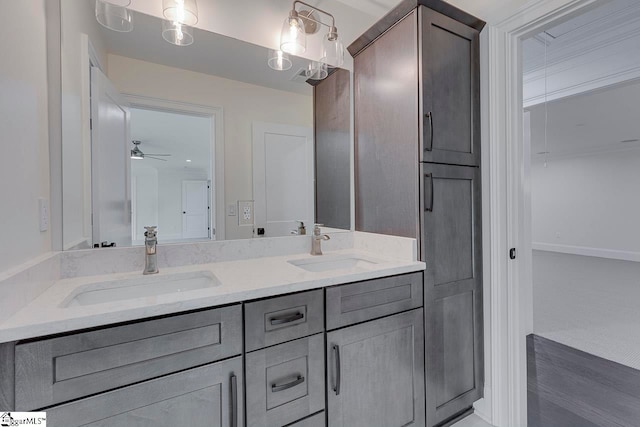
(313, 341)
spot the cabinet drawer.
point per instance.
(277, 320)
(317, 420)
(60, 369)
(210, 395)
(362, 301)
(285, 382)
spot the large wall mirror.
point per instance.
(203, 140)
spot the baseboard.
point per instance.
(481, 409)
(587, 251)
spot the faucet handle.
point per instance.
(316, 229)
(151, 231)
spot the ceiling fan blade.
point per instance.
(162, 155)
(154, 158)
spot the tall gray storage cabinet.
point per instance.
(417, 118)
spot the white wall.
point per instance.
(590, 201)
(145, 211)
(24, 150)
(588, 303)
(78, 17)
(242, 103)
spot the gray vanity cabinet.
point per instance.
(209, 396)
(375, 373)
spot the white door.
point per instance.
(283, 177)
(195, 209)
(110, 163)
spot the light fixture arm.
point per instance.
(333, 31)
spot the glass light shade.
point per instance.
(113, 17)
(332, 52)
(121, 3)
(278, 60)
(317, 71)
(293, 39)
(176, 33)
(181, 11)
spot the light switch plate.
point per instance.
(245, 212)
(231, 209)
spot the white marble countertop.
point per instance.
(240, 280)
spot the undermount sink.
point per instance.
(138, 287)
(328, 263)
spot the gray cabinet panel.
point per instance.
(317, 420)
(207, 396)
(332, 127)
(362, 301)
(450, 90)
(386, 126)
(285, 382)
(375, 373)
(60, 369)
(280, 319)
(453, 289)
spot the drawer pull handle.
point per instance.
(429, 147)
(336, 353)
(287, 319)
(234, 400)
(280, 387)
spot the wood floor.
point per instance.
(571, 388)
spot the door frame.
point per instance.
(216, 165)
(510, 289)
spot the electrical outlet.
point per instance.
(43, 214)
(231, 209)
(245, 212)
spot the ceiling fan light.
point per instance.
(181, 11)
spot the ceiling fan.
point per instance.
(137, 154)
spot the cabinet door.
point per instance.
(453, 289)
(450, 90)
(375, 373)
(386, 132)
(207, 396)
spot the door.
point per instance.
(195, 209)
(451, 248)
(207, 396)
(450, 90)
(375, 373)
(110, 163)
(283, 177)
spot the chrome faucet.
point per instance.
(317, 239)
(151, 257)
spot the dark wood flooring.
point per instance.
(571, 388)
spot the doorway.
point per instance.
(172, 170)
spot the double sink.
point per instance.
(150, 286)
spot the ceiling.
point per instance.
(597, 121)
(183, 136)
(377, 8)
(211, 53)
(579, 34)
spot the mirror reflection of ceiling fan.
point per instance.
(137, 154)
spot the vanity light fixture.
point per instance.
(114, 15)
(279, 60)
(316, 71)
(177, 33)
(183, 12)
(298, 24)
